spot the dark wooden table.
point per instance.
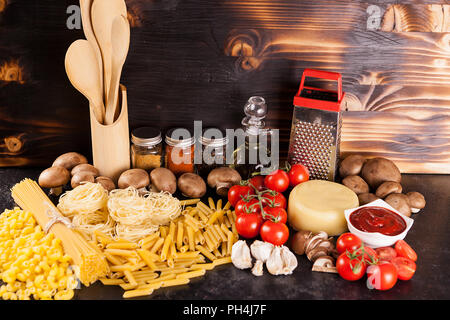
(429, 236)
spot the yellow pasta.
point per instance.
(175, 282)
(146, 256)
(137, 293)
(130, 278)
(208, 241)
(180, 229)
(121, 252)
(163, 230)
(190, 233)
(227, 206)
(192, 274)
(114, 260)
(205, 252)
(187, 255)
(111, 282)
(184, 248)
(230, 242)
(222, 261)
(165, 248)
(206, 266)
(172, 227)
(122, 245)
(189, 202)
(220, 232)
(158, 244)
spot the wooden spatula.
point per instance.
(120, 39)
(82, 71)
(103, 13)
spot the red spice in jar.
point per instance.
(179, 153)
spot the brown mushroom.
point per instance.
(299, 241)
(324, 264)
(351, 165)
(222, 179)
(85, 167)
(356, 184)
(365, 198)
(163, 179)
(106, 183)
(136, 178)
(80, 178)
(416, 201)
(388, 187)
(399, 201)
(69, 160)
(191, 185)
(378, 170)
(54, 178)
(315, 253)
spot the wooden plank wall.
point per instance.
(201, 60)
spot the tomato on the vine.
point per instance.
(348, 242)
(247, 206)
(275, 233)
(257, 182)
(382, 276)
(349, 267)
(405, 267)
(370, 255)
(277, 181)
(277, 214)
(298, 174)
(273, 199)
(404, 250)
(237, 192)
(248, 225)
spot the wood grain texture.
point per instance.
(201, 60)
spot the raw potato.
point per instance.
(163, 180)
(191, 185)
(356, 184)
(378, 170)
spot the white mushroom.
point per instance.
(240, 255)
(54, 178)
(324, 264)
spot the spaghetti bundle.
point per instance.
(88, 258)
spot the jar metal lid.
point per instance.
(146, 136)
(179, 141)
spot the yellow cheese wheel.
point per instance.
(318, 205)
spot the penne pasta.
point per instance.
(121, 252)
(192, 274)
(205, 252)
(137, 293)
(148, 259)
(130, 278)
(189, 202)
(165, 248)
(180, 229)
(175, 282)
(111, 282)
(206, 266)
(222, 261)
(158, 244)
(211, 203)
(190, 233)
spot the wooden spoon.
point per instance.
(82, 70)
(103, 13)
(85, 6)
(120, 39)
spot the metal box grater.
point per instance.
(316, 126)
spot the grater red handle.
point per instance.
(328, 75)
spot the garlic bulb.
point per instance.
(281, 261)
(261, 252)
(240, 255)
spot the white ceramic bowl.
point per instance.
(376, 239)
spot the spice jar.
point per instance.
(146, 148)
(180, 151)
(213, 151)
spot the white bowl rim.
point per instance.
(379, 203)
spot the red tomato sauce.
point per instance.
(378, 219)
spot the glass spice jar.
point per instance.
(213, 151)
(179, 153)
(146, 148)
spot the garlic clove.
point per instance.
(289, 260)
(240, 255)
(257, 269)
(261, 250)
(274, 264)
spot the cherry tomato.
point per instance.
(382, 276)
(249, 224)
(247, 206)
(404, 250)
(405, 267)
(258, 183)
(277, 181)
(298, 174)
(370, 255)
(349, 267)
(237, 192)
(274, 199)
(274, 232)
(348, 242)
(277, 213)
(386, 253)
